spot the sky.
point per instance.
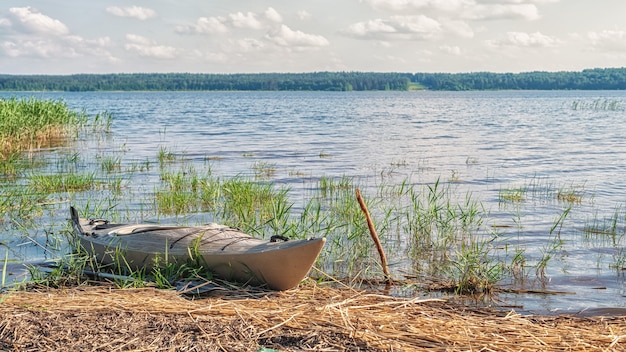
(236, 36)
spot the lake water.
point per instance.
(481, 142)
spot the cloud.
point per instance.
(451, 50)
(40, 36)
(273, 15)
(465, 9)
(237, 20)
(396, 27)
(608, 40)
(371, 28)
(148, 48)
(36, 22)
(270, 22)
(519, 1)
(499, 11)
(436, 5)
(205, 25)
(247, 20)
(140, 13)
(70, 46)
(286, 37)
(522, 39)
(459, 28)
(303, 15)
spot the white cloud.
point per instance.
(608, 40)
(369, 28)
(519, 1)
(285, 36)
(452, 50)
(416, 24)
(396, 27)
(146, 47)
(465, 9)
(34, 48)
(36, 22)
(522, 39)
(219, 24)
(140, 13)
(71, 46)
(459, 28)
(249, 44)
(247, 20)
(205, 25)
(273, 15)
(499, 11)
(404, 5)
(37, 35)
(303, 15)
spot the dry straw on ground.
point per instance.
(96, 318)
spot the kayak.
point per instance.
(229, 253)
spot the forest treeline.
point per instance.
(591, 79)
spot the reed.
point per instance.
(264, 170)
(31, 123)
(165, 156)
(599, 105)
(63, 183)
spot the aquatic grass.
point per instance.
(448, 240)
(48, 184)
(540, 189)
(65, 270)
(328, 186)
(31, 123)
(165, 156)
(248, 204)
(608, 231)
(512, 194)
(264, 170)
(110, 164)
(571, 194)
(399, 163)
(166, 274)
(605, 104)
(554, 244)
(178, 194)
(103, 122)
(473, 269)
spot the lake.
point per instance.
(487, 144)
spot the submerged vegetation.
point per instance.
(436, 236)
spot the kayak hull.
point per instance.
(227, 252)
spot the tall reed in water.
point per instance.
(32, 123)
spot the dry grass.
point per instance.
(308, 318)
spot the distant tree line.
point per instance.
(317, 81)
(592, 79)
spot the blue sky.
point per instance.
(219, 36)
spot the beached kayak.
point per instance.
(228, 252)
